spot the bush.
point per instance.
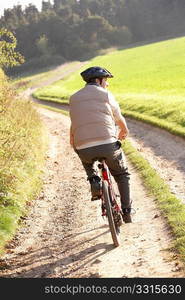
(119, 36)
(21, 157)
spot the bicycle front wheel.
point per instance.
(113, 230)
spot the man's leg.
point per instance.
(117, 165)
(94, 180)
(88, 169)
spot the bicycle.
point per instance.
(109, 205)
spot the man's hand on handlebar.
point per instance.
(123, 134)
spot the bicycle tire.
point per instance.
(112, 227)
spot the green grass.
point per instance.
(22, 148)
(149, 83)
(58, 91)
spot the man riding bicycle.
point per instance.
(95, 116)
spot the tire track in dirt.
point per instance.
(65, 236)
(164, 151)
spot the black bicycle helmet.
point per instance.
(95, 72)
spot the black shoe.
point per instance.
(96, 187)
(126, 215)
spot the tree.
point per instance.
(60, 3)
(119, 36)
(31, 14)
(46, 5)
(93, 27)
(8, 56)
(74, 28)
(43, 46)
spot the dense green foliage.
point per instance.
(77, 29)
(21, 148)
(21, 157)
(149, 83)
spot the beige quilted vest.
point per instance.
(91, 115)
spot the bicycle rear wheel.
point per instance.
(113, 230)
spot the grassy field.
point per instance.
(149, 83)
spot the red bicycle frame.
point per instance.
(106, 176)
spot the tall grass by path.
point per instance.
(149, 83)
(22, 148)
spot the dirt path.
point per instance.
(65, 236)
(164, 151)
